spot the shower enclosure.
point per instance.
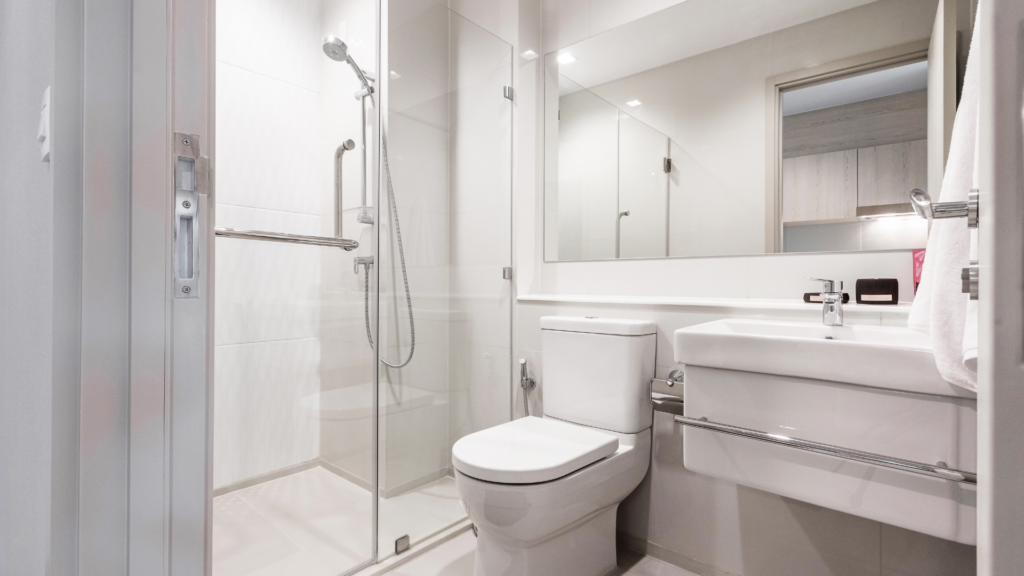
(332, 436)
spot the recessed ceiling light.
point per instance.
(633, 103)
(566, 58)
(395, 75)
(529, 55)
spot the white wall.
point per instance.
(27, 253)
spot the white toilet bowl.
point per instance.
(543, 492)
(545, 504)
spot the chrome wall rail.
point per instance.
(937, 471)
(342, 243)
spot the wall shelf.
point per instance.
(746, 304)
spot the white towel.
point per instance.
(940, 309)
(971, 322)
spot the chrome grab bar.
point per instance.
(939, 470)
(342, 243)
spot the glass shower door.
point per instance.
(449, 138)
(294, 406)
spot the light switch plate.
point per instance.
(43, 137)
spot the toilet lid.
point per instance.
(530, 450)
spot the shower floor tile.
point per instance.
(315, 523)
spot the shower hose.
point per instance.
(405, 275)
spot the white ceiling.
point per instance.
(687, 29)
(864, 87)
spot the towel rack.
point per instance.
(938, 470)
(344, 244)
(925, 208)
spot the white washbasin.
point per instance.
(872, 389)
(879, 356)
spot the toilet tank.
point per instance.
(597, 371)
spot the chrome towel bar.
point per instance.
(342, 243)
(937, 471)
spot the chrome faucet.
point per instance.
(831, 301)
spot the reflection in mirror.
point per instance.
(734, 127)
(612, 191)
(852, 148)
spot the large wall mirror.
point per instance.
(735, 127)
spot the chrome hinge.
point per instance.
(506, 91)
(666, 165)
(506, 273)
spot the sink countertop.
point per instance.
(892, 358)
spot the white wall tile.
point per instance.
(267, 142)
(266, 290)
(275, 38)
(260, 422)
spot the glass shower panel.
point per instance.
(448, 146)
(293, 387)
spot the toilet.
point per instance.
(542, 493)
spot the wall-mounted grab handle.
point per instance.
(925, 208)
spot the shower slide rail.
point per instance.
(343, 243)
(938, 470)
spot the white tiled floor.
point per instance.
(316, 523)
(455, 558)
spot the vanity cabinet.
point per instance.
(820, 187)
(886, 174)
(829, 187)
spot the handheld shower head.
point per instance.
(338, 51)
(335, 49)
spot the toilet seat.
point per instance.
(530, 450)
